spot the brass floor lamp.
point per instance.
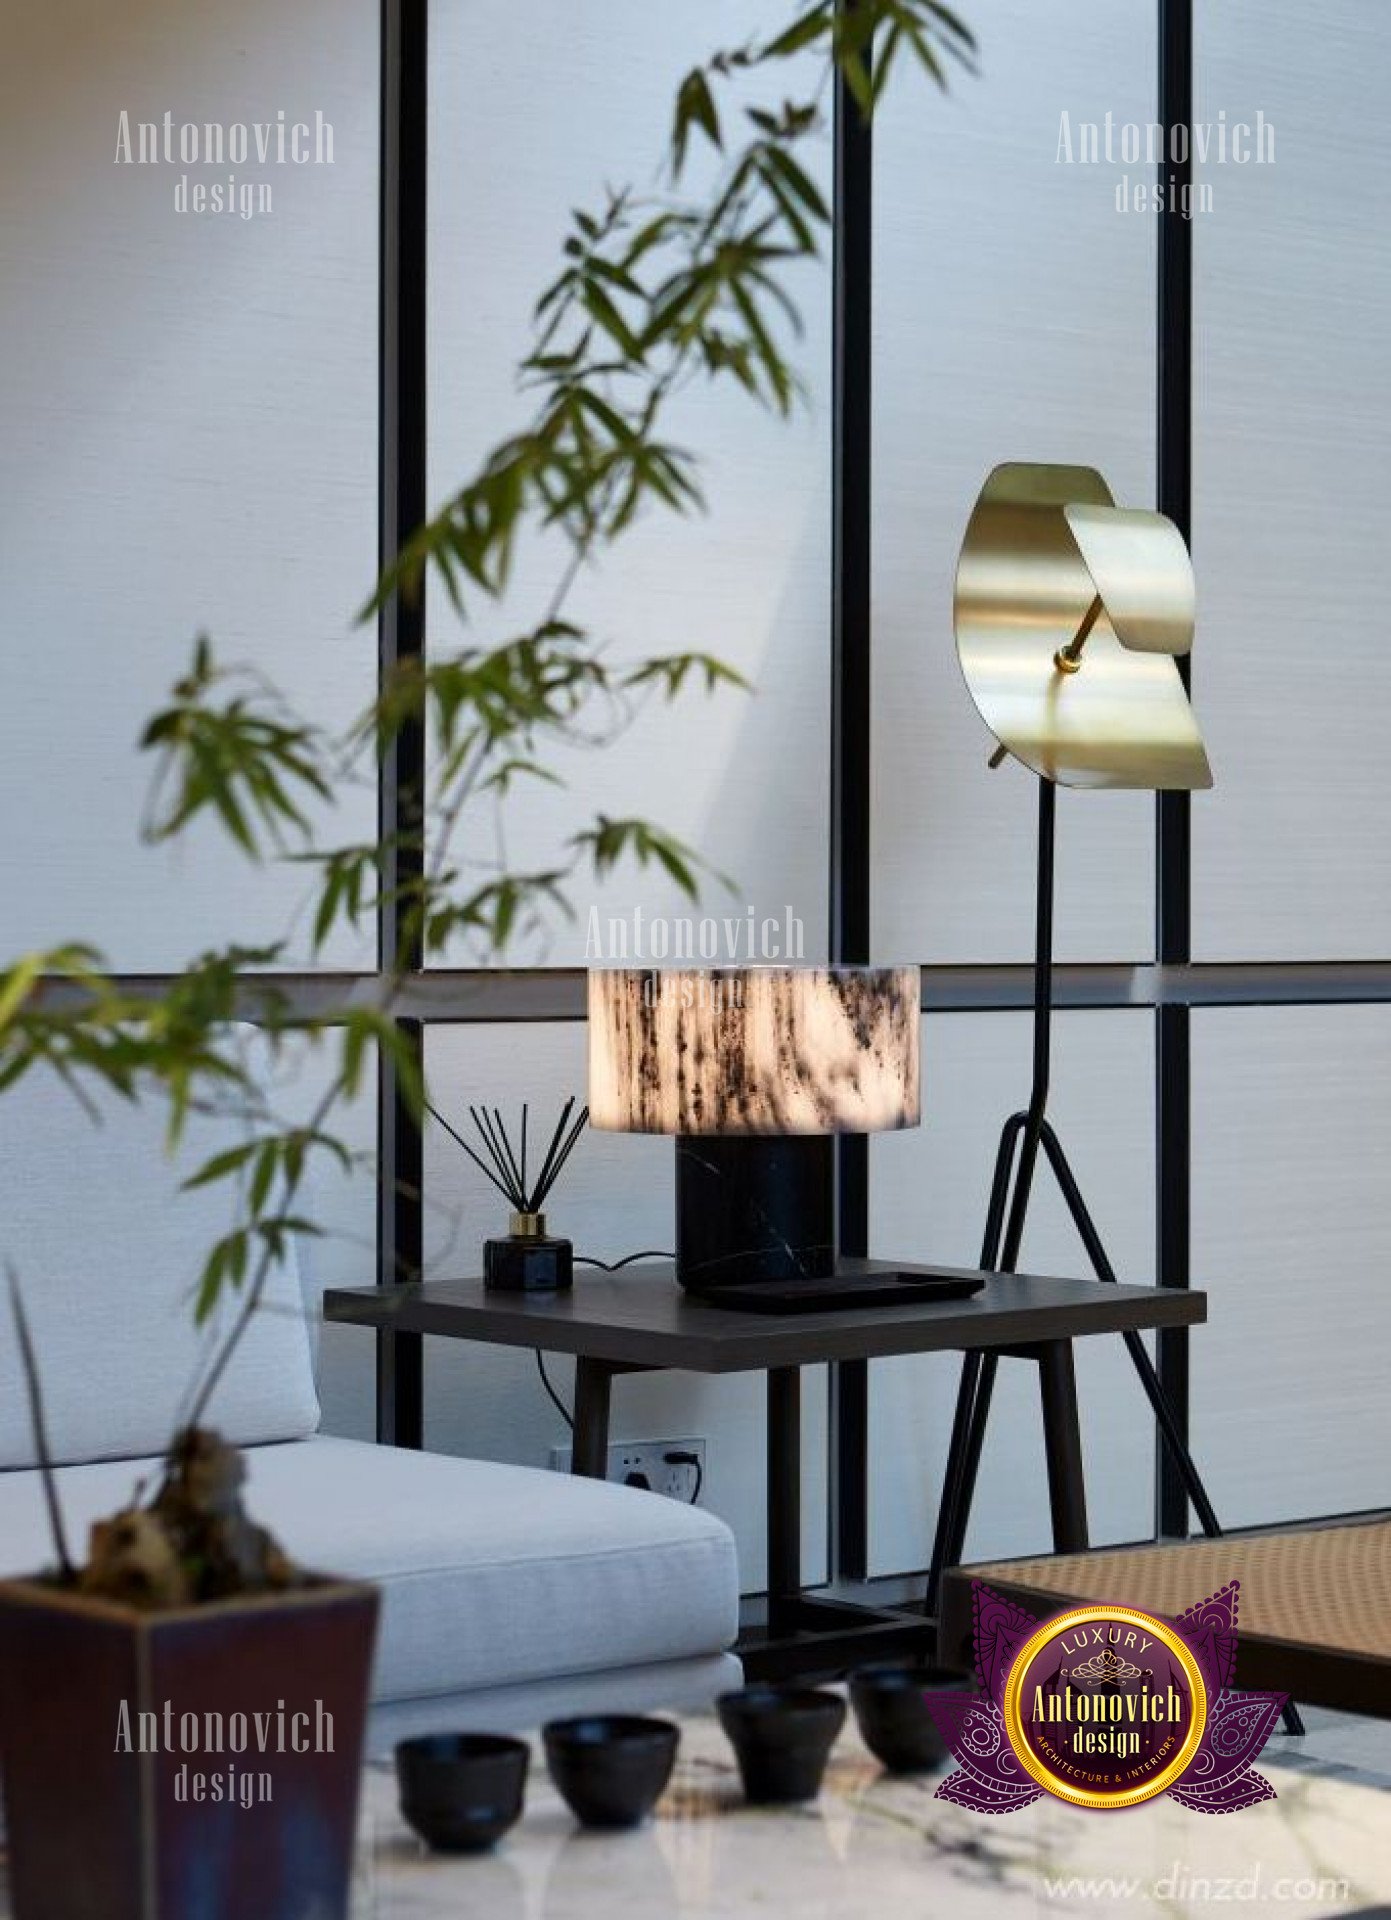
(1069, 614)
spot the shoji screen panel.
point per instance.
(1292, 1240)
(518, 140)
(190, 444)
(929, 1192)
(1292, 412)
(1014, 320)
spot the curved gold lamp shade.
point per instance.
(1069, 611)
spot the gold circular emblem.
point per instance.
(1160, 1759)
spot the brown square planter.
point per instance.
(97, 1832)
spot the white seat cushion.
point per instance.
(491, 1574)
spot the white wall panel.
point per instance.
(343, 1204)
(189, 444)
(1014, 320)
(1292, 1240)
(535, 109)
(615, 1197)
(96, 1171)
(928, 1198)
(1291, 854)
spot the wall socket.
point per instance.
(642, 1463)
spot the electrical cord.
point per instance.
(612, 1266)
(560, 1405)
(680, 1458)
(676, 1459)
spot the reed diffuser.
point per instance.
(528, 1259)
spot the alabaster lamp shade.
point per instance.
(754, 1050)
(753, 1069)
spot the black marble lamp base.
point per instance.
(753, 1207)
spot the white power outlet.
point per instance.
(643, 1463)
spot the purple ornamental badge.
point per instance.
(1105, 1707)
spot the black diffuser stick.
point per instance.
(543, 1178)
(570, 1144)
(564, 1155)
(508, 1171)
(486, 1135)
(485, 1128)
(481, 1164)
(513, 1168)
(502, 1156)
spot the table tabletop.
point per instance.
(642, 1318)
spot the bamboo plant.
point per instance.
(656, 293)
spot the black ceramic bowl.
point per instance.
(461, 1791)
(783, 1738)
(612, 1767)
(891, 1706)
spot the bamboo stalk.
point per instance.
(34, 1388)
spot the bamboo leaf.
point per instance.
(221, 1166)
(695, 107)
(263, 1175)
(17, 983)
(805, 31)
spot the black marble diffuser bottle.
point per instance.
(526, 1259)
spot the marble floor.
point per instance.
(876, 1846)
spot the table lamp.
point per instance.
(754, 1069)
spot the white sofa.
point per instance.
(508, 1593)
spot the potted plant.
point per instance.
(186, 1675)
(185, 1625)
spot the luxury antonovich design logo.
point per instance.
(1105, 1706)
(1092, 1724)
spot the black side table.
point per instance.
(640, 1321)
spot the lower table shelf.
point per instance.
(820, 1636)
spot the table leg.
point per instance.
(1062, 1440)
(589, 1453)
(784, 1489)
